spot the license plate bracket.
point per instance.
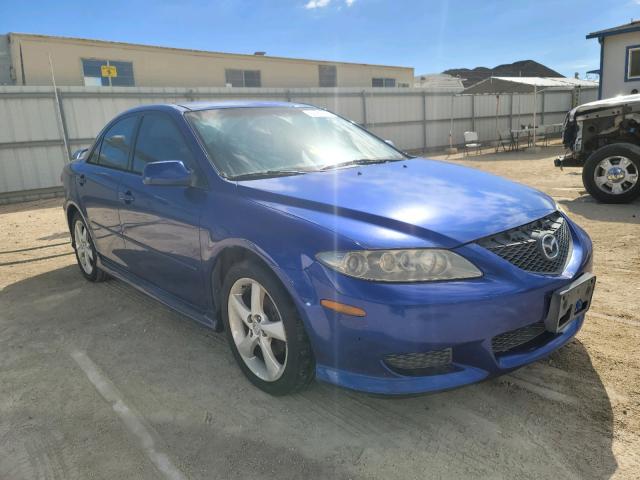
(569, 302)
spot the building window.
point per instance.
(242, 78)
(107, 73)
(383, 82)
(633, 63)
(328, 75)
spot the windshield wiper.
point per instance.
(268, 174)
(361, 161)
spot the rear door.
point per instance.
(98, 182)
(161, 224)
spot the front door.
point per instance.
(161, 224)
(98, 181)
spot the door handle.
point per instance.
(82, 179)
(127, 197)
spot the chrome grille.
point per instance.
(521, 245)
(515, 338)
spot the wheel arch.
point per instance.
(70, 210)
(234, 251)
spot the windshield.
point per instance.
(266, 141)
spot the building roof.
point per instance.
(632, 26)
(110, 43)
(440, 82)
(521, 68)
(527, 84)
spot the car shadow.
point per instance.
(552, 419)
(586, 206)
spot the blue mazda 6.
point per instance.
(324, 252)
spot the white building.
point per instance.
(619, 59)
(439, 82)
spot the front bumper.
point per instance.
(463, 316)
(568, 160)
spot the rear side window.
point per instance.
(159, 139)
(116, 144)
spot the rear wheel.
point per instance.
(610, 174)
(264, 330)
(86, 254)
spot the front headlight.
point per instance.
(419, 265)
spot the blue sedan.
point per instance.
(324, 252)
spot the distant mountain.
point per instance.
(523, 68)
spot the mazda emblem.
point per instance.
(549, 246)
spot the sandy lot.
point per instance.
(99, 381)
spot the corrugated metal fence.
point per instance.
(39, 128)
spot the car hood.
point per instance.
(629, 101)
(376, 205)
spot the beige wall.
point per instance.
(615, 50)
(165, 67)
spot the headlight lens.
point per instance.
(418, 265)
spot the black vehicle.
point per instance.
(604, 138)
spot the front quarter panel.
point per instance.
(286, 243)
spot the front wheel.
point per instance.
(264, 330)
(86, 254)
(610, 174)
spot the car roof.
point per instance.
(237, 104)
(210, 105)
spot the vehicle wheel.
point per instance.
(610, 174)
(264, 330)
(86, 254)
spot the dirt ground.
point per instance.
(99, 381)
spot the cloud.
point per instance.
(316, 4)
(351, 2)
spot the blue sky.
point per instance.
(430, 35)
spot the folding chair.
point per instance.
(471, 142)
(505, 140)
(541, 135)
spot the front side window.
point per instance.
(633, 63)
(107, 73)
(243, 142)
(116, 144)
(383, 82)
(159, 139)
(243, 78)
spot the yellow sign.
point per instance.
(109, 71)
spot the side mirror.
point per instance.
(390, 142)
(168, 173)
(79, 154)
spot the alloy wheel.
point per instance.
(615, 175)
(257, 329)
(83, 247)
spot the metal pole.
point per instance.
(424, 121)
(473, 113)
(451, 127)
(61, 122)
(543, 108)
(364, 109)
(511, 113)
(497, 113)
(535, 110)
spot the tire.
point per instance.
(622, 159)
(86, 254)
(295, 367)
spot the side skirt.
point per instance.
(205, 318)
